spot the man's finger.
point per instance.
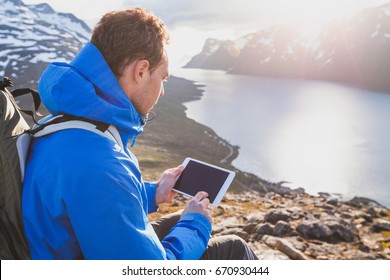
(205, 202)
(200, 195)
(177, 171)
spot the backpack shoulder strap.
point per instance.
(62, 122)
(111, 132)
(58, 123)
(22, 146)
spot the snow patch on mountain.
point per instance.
(32, 36)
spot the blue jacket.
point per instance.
(83, 195)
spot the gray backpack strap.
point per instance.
(51, 124)
(24, 140)
(111, 132)
(22, 146)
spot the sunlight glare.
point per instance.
(179, 50)
(322, 143)
(312, 15)
(317, 11)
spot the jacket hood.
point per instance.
(88, 88)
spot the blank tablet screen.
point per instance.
(199, 177)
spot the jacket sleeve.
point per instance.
(149, 186)
(108, 214)
(151, 194)
(177, 243)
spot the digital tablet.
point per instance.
(201, 176)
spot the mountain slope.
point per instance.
(32, 36)
(353, 51)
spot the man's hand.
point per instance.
(199, 204)
(168, 179)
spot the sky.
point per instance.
(190, 23)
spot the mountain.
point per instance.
(32, 36)
(353, 51)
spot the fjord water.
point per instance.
(321, 136)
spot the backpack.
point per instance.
(15, 138)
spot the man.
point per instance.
(83, 195)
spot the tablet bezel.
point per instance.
(222, 189)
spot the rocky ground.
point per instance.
(301, 226)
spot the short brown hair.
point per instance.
(128, 35)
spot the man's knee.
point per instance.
(225, 247)
(240, 249)
(236, 241)
(238, 244)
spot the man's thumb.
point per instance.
(178, 170)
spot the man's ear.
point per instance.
(140, 70)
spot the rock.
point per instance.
(282, 228)
(175, 204)
(359, 202)
(284, 246)
(264, 229)
(325, 207)
(368, 218)
(331, 231)
(219, 211)
(363, 247)
(324, 195)
(272, 196)
(298, 242)
(263, 252)
(372, 212)
(255, 217)
(333, 201)
(279, 188)
(360, 221)
(381, 226)
(217, 229)
(276, 215)
(317, 215)
(297, 213)
(250, 228)
(346, 216)
(384, 213)
(229, 222)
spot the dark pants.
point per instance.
(227, 247)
